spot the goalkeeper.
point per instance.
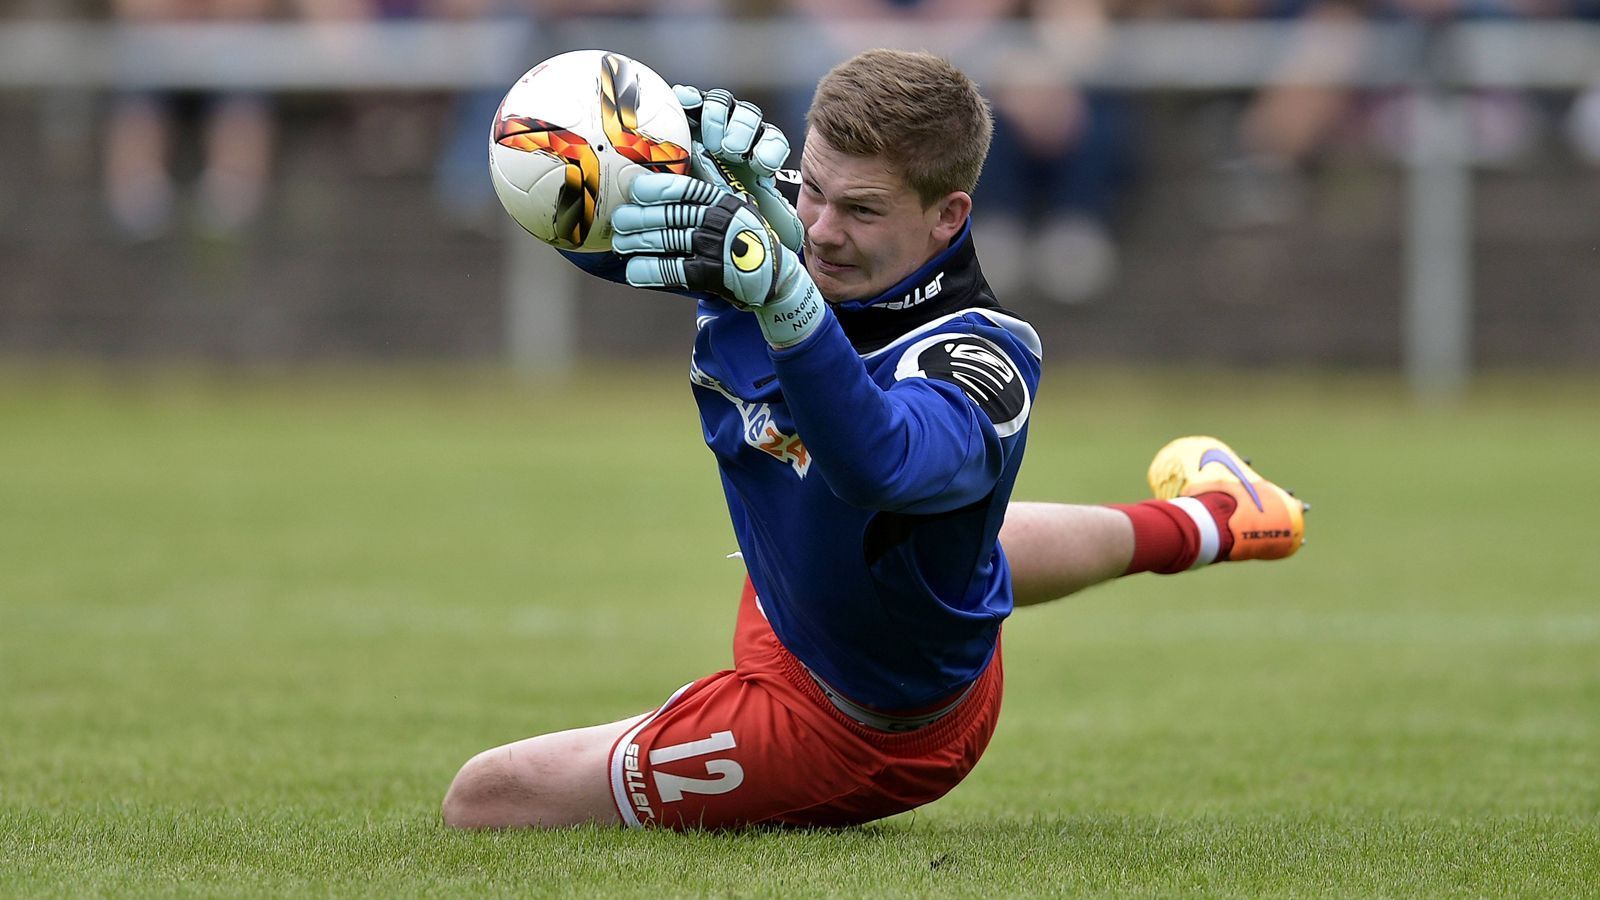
(867, 401)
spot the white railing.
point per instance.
(1440, 61)
(776, 53)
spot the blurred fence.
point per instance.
(772, 54)
(1408, 292)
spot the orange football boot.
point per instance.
(1268, 521)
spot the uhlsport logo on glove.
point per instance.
(748, 252)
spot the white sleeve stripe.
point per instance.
(1004, 373)
(1018, 329)
(1210, 541)
(619, 784)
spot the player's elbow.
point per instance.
(878, 487)
(888, 492)
(862, 493)
(875, 481)
(916, 489)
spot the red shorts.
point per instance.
(761, 744)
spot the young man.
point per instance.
(868, 408)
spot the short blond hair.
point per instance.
(924, 116)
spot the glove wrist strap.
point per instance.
(795, 311)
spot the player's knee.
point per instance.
(550, 781)
(479, 794)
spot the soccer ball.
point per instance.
(572, 133)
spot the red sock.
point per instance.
(1169, 536)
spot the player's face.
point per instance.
(866, 229)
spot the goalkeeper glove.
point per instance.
(679, 232)
(736, 149)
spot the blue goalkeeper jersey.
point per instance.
(867, 471)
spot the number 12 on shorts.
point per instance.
(728, 774)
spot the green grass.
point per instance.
(250, 626)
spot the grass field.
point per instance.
(251, 625)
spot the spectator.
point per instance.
(236, 137)
(1583, 120)
(1061, 157)
(1501, 121)
(1292, 120)
(1060, 154)
(1310, 104)
(669, 36)
(830, 29)
(461, 188)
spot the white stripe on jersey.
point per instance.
(1019, 329)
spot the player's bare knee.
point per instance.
(479, 793)
(457, 808)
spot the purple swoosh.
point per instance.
(1217, 456)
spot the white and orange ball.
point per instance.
(571, 134)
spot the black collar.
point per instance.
(948, 283)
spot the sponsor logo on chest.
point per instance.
(760, 430)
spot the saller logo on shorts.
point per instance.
(634, 781)
(980, 368)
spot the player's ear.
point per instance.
(953, 210)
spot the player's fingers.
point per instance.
(691, 99)
(656, 272)
(657, 188)
(739, 137)
(633, 219)
(771, 150)
(661, 240)
(714, 115)
(705, 168)
(780, 215)
(702, 167)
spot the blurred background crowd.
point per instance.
(1242, 224)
